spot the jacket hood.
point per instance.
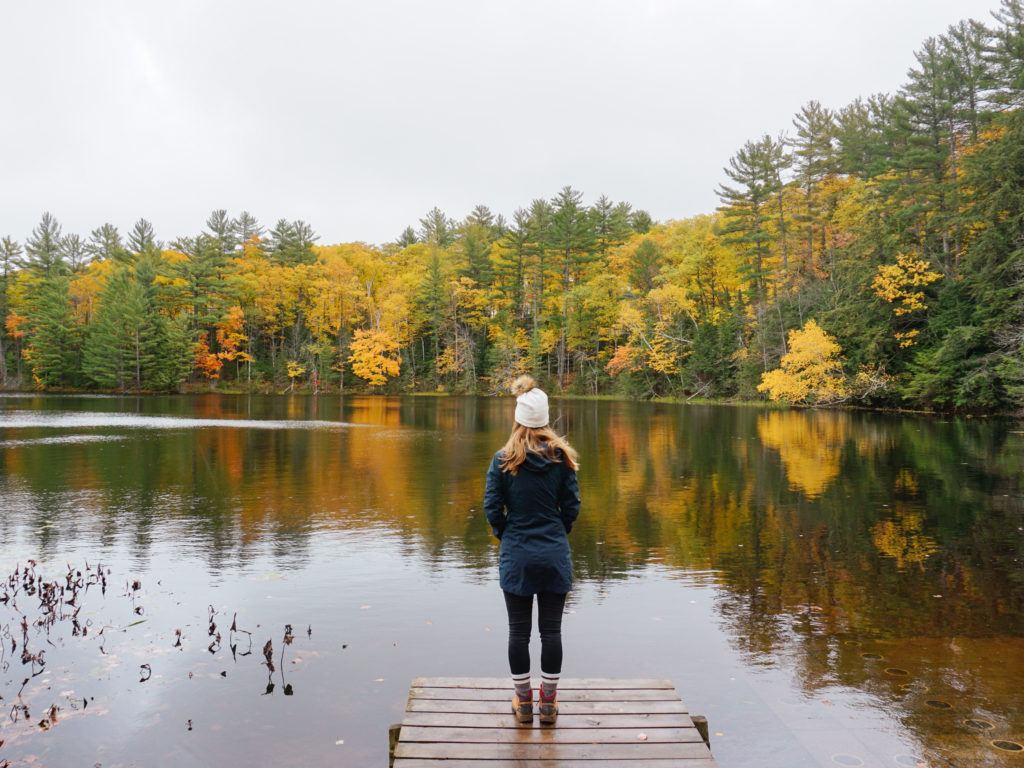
(535, 462)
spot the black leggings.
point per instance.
(520, 625)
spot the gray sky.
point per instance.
(360, 117)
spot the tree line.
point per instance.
(872, 252)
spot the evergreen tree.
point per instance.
(641, 222)
(76, 253)
(816, 159)
(965, 44)
(142, 238)
(246, 227)
(646, 265)
(572, 242)
(437, 228)
(291, 243)
(611, 224)
(929, 196)
(1005, 55)
(512, 261)
(53, 336)
(165, 347)
(112, 350)
(105, 243)
(407, 238)
(477, 235)
(44, 249)
(754, 169)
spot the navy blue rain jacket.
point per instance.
(532, 513)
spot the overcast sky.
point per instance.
(360, 117)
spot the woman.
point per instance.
(532, 499)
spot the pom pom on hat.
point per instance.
(531, 403)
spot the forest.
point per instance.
(871, 254)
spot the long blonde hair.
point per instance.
(541, 440)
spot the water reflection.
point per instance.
(876, 559)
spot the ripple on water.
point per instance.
(72, 420)
(1007, 746)
(61, 439)
(844, 759)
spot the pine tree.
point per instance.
(611, 224)
(755, 171)
(223, 231)
(112, 349)
(573, 243)
(142, 238)
(44, 249)
(641, 222)
(53, 337)
(437, 228)
(1005, 55)
(291, 243)
(815, 159)
(646, 264)
(929, 195)
(105, 243)
(512, 260)
(76, 253)
(407, 238)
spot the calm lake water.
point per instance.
(827, 588)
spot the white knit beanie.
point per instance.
(531, 403)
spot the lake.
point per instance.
(828, 588)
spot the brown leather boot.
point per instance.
(522, 709)
(548, 710)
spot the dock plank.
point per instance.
(644, 751)
(565, 720)
(502, 694)
(500, 706)
(536, 735)
(567, 683)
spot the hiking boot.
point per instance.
(522, 709)
(548, 710)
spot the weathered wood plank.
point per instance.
(565, 720)
(502, 706)
(559, 752)
(422, 762)
(568, 683)
(591, 708)
(504, 693)
(558, 735)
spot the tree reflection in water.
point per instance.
(832, 537)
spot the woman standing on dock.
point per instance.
(531, 500)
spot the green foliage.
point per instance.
(53, 349)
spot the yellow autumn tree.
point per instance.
(900, 284)
(373, 355)
(811, 372)
(295, 369)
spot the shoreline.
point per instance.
(767, 405)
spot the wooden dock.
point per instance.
(464, 722)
